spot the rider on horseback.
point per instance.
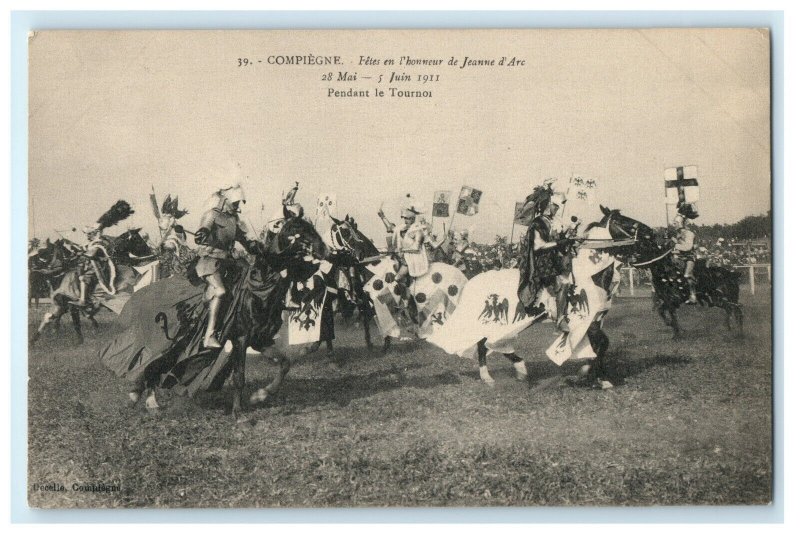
(406, 245)
(89, 269)
(684, 249)
(545, 258)
(220, 229)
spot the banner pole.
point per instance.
(452, 218)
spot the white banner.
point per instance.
(681, 181)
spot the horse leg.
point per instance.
(597, 369)
(363, 309)
(739, 318)
(519, 365)
(52, 316)
(75, 314)
(312, 348)
(330, 355)
(662, 311)
(261, 394)
(238, 356)
(92, 320)
(676, 327)
(387, 343)
(483, 370)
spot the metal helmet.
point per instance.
(234, 194)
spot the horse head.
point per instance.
(347, 238)
(623, 228)
(130, 245)
(300, 247)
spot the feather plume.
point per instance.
(120, 211)
(170, 207)
(154, 204)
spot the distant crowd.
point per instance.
(731, 252)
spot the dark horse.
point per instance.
(351, 253)
(47, 266)
(162, 345)
(716, 286)
(124, 251)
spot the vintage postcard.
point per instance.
(399, 268)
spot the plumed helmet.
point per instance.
(541, 198)
(92, 228)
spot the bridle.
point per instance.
(635, 238)
(338, 239)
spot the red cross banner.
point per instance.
(680, 185)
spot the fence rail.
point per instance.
(757, 274)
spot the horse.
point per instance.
(123, 252)
(716, 286)
(490, 316)
(162, 346)
(47, 266)
(351, 251)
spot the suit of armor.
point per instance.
(685, 251)
(543, 263)
(88, 266)
(219, 231)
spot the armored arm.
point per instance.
(207, 223)
(386, 223)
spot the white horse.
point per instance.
(490, 317)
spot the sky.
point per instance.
(113, 113)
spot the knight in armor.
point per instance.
(220, 229)
(545, 260)
(97, 250)
(290, 208)
(685, 247)
(406, 245)
(173, 246)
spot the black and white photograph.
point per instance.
(399, 268)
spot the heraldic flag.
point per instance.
(681, 185)
(441, 203)
(468, 200)
(519, 217)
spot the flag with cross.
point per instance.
(681, 186)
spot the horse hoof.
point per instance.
(522, 371)
(259, 396)
(241, 419)
(151, 403)
(605, 384)
(133, 397)
(486, 377)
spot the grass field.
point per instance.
(689, 422)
